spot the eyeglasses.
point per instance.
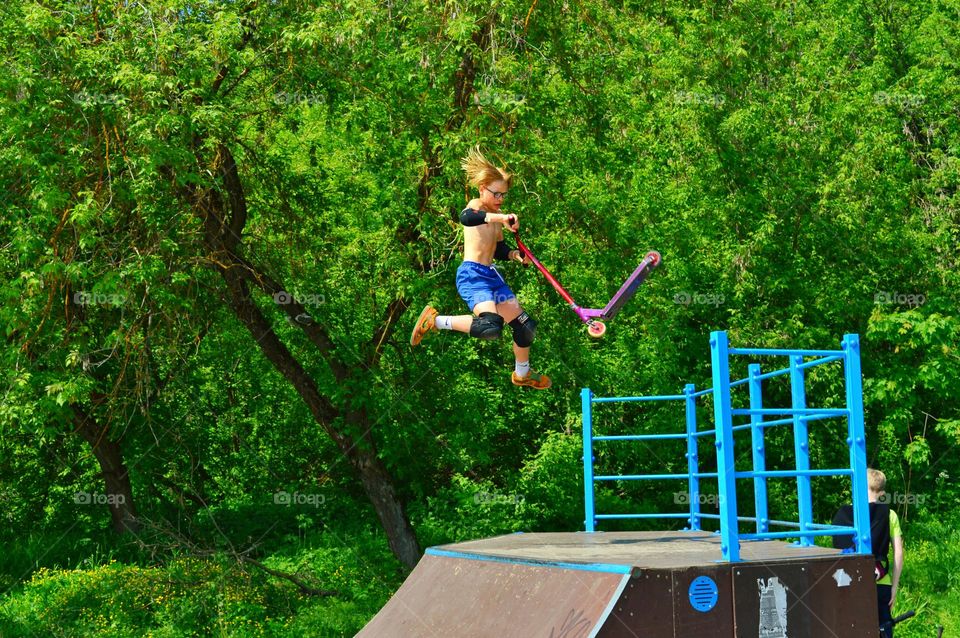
(497, 195)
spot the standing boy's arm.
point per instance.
(897, 568)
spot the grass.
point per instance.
(72, 586)
(214, 596)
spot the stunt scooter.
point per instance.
(593, 317)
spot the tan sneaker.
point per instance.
(532, 380)
(426, 323)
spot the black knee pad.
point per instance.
(524, 330)
(489, 325)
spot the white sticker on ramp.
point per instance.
(843, 578)
(773, 608)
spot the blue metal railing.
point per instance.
(799, 414)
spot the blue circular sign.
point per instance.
(703, 593)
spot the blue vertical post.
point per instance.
(726, 480)
(693, 483)
(586, 400)
(801, 448)
(759, 449)
(856, 441)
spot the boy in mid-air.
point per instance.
(479, 283)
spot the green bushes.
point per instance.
(210, 596)
(931, 577)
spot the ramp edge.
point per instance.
(602, 620)
(609, 568)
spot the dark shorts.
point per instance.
(477, 283)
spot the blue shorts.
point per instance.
(477, 283)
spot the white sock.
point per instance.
(444, 322)
(522, 368)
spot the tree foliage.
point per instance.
(219, 220)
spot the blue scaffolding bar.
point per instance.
(668, 397)
(857, 441)
(774, 374)
(758, 450)
(586, 401)
(773, 352)
(795, 473)
(726, 481)
(817, 362)
(628, 516)
(801, 447)
(795, 411)
(836, 531)
(798, 415)
(639, 437)
(754, 519)
(651, 477)
(693, 481)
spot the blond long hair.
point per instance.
(480, 171)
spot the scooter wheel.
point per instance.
(596, 329)
(654, 258)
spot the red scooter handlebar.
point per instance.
(525, 252)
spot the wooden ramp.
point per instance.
(630, 585)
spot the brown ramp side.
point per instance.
(461, 596)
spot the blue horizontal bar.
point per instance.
(702, 392)
(774, 352)
(785, 421)
(742, 519)
(793, 473)
(784, 523)
(652, 477)
(774, 535)
(640, 477)
(753, 519)
(771, 375)
(777, 422)
(817, 417)
(669, 397)
(734, 384)
(794, 411)
(612, 516)
(704, 432)
(638, 437)
(811, 525)
(816, 362)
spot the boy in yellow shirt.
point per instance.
(884, 533)
(888, 578)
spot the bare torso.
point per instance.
(479, 242)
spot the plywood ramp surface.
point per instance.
(450, 597)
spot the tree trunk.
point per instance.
(109, 455)
(224, 219)
(362, 454)
(379, 488)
